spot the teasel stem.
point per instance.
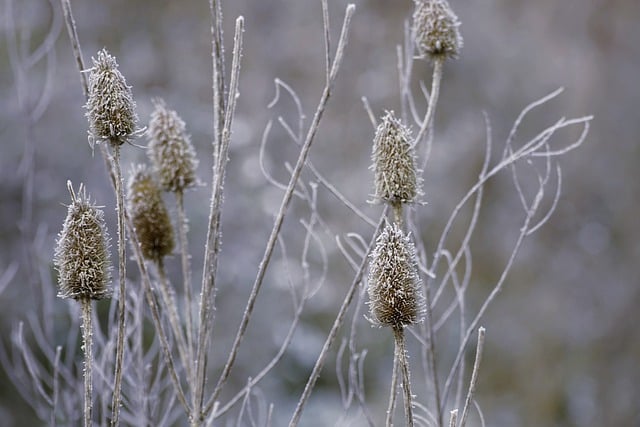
(122, 296)
(169, 300)
(431, 356)
(183, 228)
(403, 363)
(87, 346)
(433, 97)
(392, 394)
(474, 376)
(397, 213)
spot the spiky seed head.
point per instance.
(149, 214)
(110, 105)
(395, 296)
(436, 29)
(82, 251)
(396, 179)
(170, 149)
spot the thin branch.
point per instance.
(474, 376)
(285, 204)
(213, 233)
(315, 373)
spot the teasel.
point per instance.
(174, 161)
(395, 300)
(112, 117)
(149, 215)
(84, 271)
(436, 29)
(170, 149)
(110, 105)
(153, 228)
(396, 178)
(82, 250)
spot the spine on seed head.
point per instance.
(396, 178)
(170, 149)
(149, 214)
(394, 288)
(82, 251)
(110, 105)
(436, 29)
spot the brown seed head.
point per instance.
(436, 29)
(396, 179)
(170, 149)
(149, 214)
(82, 251)
(395, 297)
(110, 106)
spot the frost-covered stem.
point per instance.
(213, 234)
(122, 296)
(304, 151)
(168, 297)
(474, 376)
(397, 213)
(433, 98)
(453, 420)
(75, 43)
(337, 323)
(403, 363)
(392, 393)
(431, 356)
(183, 228)
(87, 346)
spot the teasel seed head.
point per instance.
(436, 29)
(170, 149)
(149, 214)
(395, 296)
(396, 179)
(82, 251)
(110, 105)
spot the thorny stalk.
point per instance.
(474, 376)
(87, 345)
(403, 363)
(183, 228)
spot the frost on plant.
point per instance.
(436, 29)
(170, 149)
(149, 214)
(395, 298)
(82, 251)
(396, 178)
(110, 106)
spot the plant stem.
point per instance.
(401, 355)
(183, 228)
(115, 404)
(169, 300)
(433, 98)
(87, 346)
(474, 376)
(392, 394)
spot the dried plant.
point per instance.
(161, 357)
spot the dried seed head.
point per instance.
(82, 251)
(436, 29)
(170, 149)
(110, 105)
(395, 298)
(149, 214)
(396, 179)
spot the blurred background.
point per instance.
(563, 346)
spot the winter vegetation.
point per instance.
(165, 302)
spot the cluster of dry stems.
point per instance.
(411, 289)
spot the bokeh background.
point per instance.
(563, 346)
